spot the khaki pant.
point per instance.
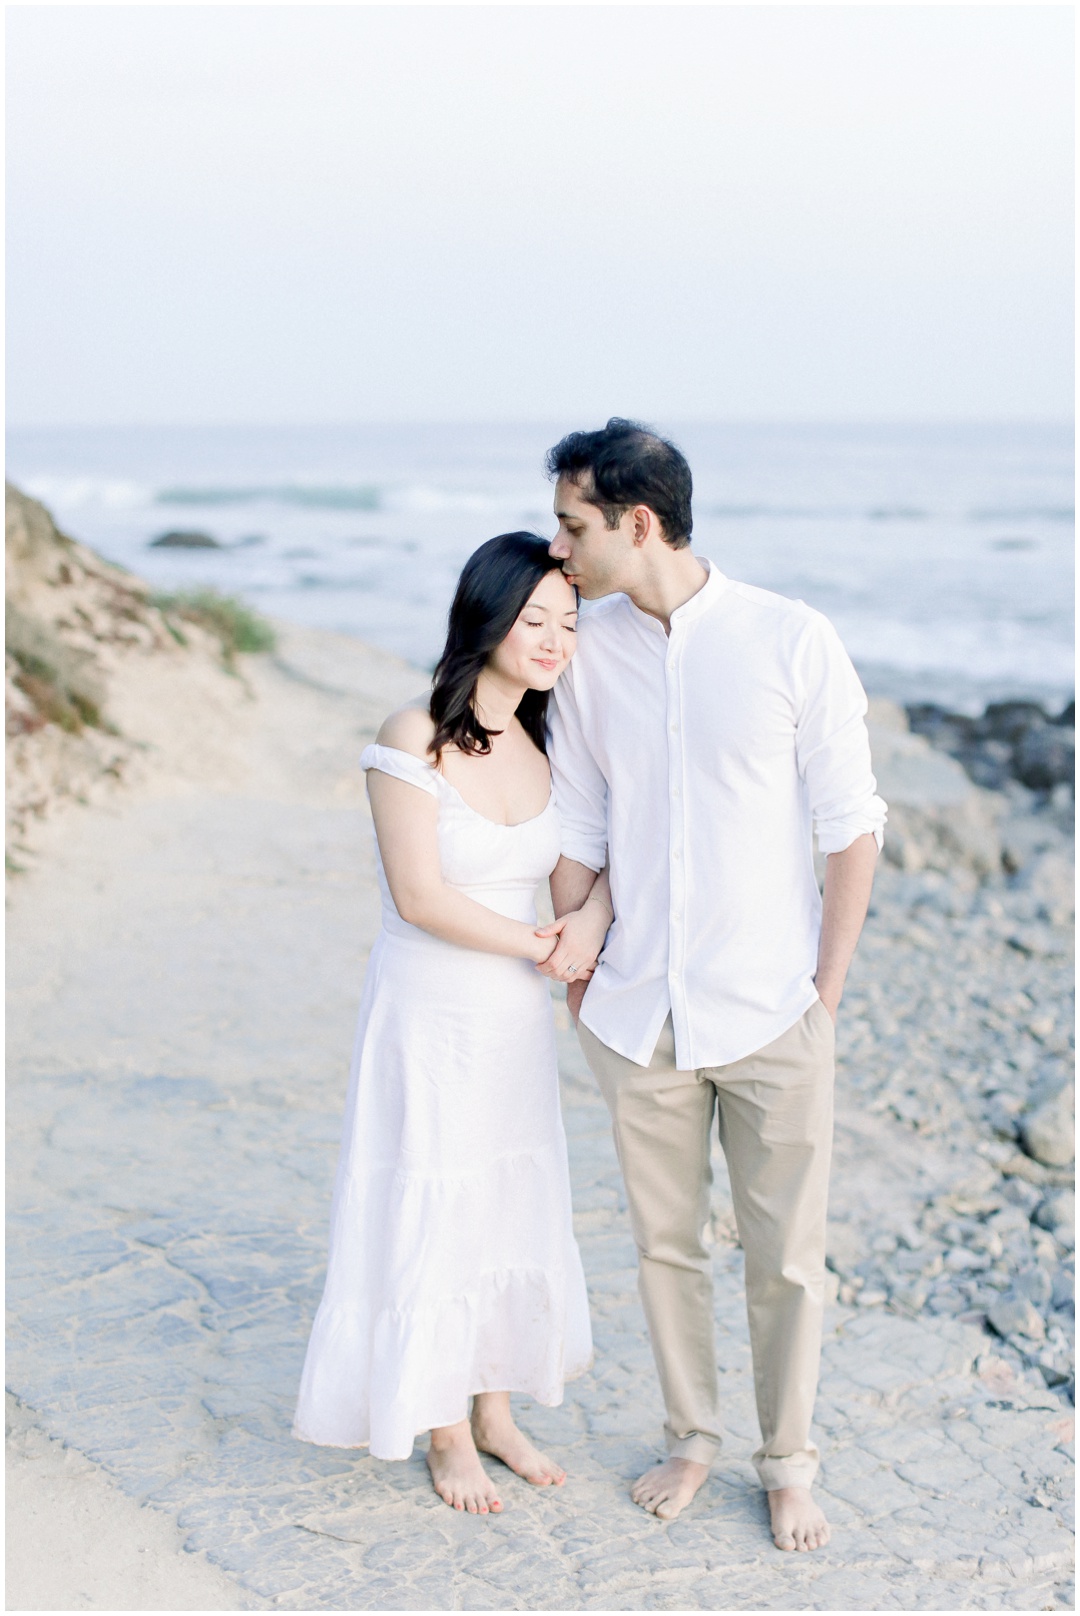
(774, 1111)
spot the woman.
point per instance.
(453, 1271)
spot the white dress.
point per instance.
(453, 1267)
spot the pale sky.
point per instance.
(319, 213)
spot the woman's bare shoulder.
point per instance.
(410, 729)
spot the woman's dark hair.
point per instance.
(625, 464)
(495, 583)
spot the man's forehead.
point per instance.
(571, 495)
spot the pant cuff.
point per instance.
(701, 1449)
(794, 1470)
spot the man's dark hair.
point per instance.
(626, 465)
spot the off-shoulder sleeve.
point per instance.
(401, 766)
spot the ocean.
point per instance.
(943, 554)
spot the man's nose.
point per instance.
(559, 548)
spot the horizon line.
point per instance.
(544, 421)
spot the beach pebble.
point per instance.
(1050, 879)
(1058, 1209)
(1047, 1132)
(1002, 1113)
(1056, 1368)
(1016, 1316)
(1064, 1290)
(910, 1298)
(1037, 1285)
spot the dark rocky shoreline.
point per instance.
(957, 1023)
(1012, 740)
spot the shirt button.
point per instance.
(674, 729)
(674, 973)
(676, 854)
(674, 791)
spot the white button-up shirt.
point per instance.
(698, 764)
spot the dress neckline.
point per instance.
(498, 824)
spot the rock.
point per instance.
(1039, 942)
(1001, 1114)
(182, 540)
(1046, 1133)
(1011, 1219)
(1026, 835)
(937, 817)
(884, 714)
(1009, 720)
(1045, 756)
(1064, 1296)
(989, 764)
(1051, 880)
(1056, 1370)
(1037, 1285)
(1016, 1315)
(910, 1298)
(961, 1261)
(948, 732)
(1058, 1210)
(1012, 741)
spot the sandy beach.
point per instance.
(191, 908)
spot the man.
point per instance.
(703, 731)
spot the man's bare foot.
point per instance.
(456, 1472)
(797, 1522)
(667, 1488)
(494, 1432)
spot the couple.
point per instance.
(669, 791)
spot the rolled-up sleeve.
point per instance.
(831, 742)
(579, 786)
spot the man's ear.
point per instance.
(644, 523)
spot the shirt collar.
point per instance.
(706, 597)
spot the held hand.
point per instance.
(542, 949)
(578, 940)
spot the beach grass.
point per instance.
(235, 626)
(60, 681)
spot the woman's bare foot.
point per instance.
(667, 1488)
(494, 1432)
(456, 1472)
(797, 1522)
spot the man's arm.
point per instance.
(849, 877)
(571, 884)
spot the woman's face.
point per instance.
(541, 642)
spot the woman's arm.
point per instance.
(406, 821)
